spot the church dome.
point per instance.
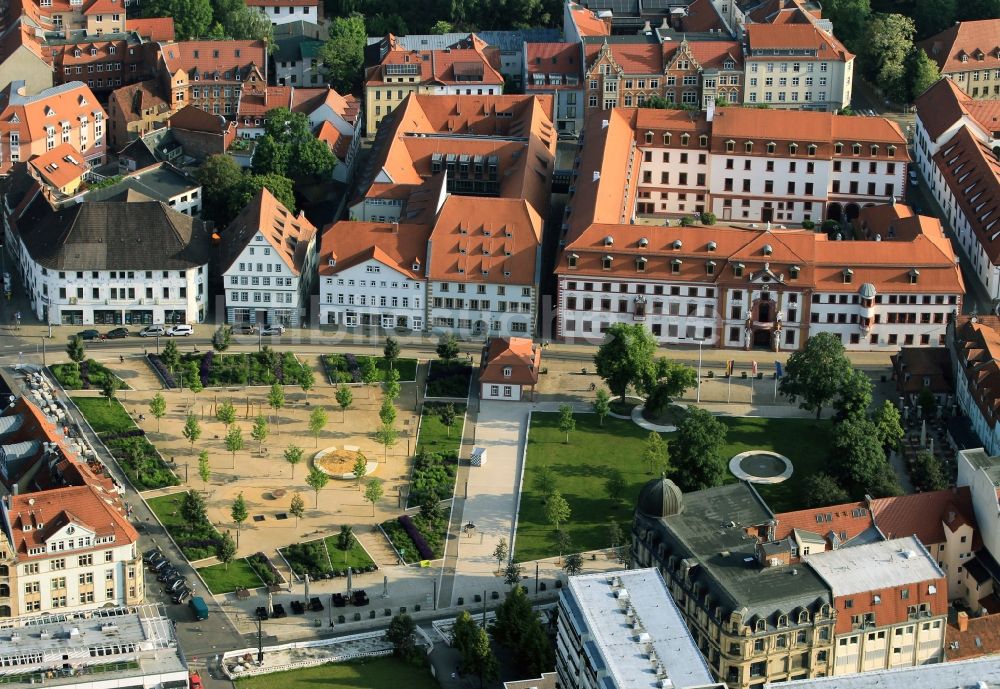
(660, 498)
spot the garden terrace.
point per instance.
(87, 375)
(366, 673)
(434, 435)
(239, 574)
(347, 368)
(448, 379)
(219, 370)
(322, 559)
(126, 442)
(198, 539)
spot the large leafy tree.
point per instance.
(849, 18)
(933, 16)
(244, 23)
(670, 380)
(343, 54)
(820, 490)
(518, 628)
(816, 373)
(970, 10)
(922, 72)
(402, 635)
(288, 147)
(857, 459)
(854, 396)
(219, 176)
(888, 425)
(888, 42)
(250, 186)
(192, 18)
(625, 358)
(696, 451)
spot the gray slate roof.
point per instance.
(137, 234)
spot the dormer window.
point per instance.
(572, 259)
(643, 242)
(685, 139)
(782, 620)
(874, 149)
(748, 146)
(609, 240)
(891, 151)
(856, 149)
(507, 371)
(331, 262)
(914, 274)
(768, 250)
(703, 141)
(965, 58)
(675, 266)
(838, 148)
(730, 146)
(794, 271)
(666, 138)
(760, 626)
(640, 264)
(811, 149)
(793, 149)
(710, 267)
(712, 246)
(729, 64)
(771, 147)
(848, 276)
(606, 262)
(649, 137)
(76, 53)
(738, 269)
(677, 245)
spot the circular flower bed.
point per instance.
(339, 463)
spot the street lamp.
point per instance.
(700, 343)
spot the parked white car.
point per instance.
(180, 331)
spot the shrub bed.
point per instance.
(433, 476)
(218, 370)
(126, 442)
(434, 435)
(449, 379)
(417, 535)
(265, 569)
(322, 559)
(346, 368)
(86, 375)
(197, 540)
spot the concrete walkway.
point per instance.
(639, 421)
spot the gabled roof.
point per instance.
(795, 37)
(210, 56)
(978, 42)
(50, 107)
(485, 239)
(287, 234)
(519, 354)
(194, 118)
(155, 29)
(977, 349)
(104, 7)
(309, 100)
(133, 100)
(59, 166)
(47, 512)
(587, 22)
(347, 243)
(702, 17)
(471, 61)
(926, 515)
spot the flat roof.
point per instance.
(962, 674)
(158, 181)
(875, 566)
(599, 604)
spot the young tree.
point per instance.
(108, 387)
(171, 356)
(888, 426)
(501, 552)
(822, 489)
(854, 396)
(402, 635)
(545, 482)
(293, 455)
(346, 540)
(463, 632)
(239, 514)
(614, 533)
(75, 349)
(276, 400)
(234, 441)
(343, 54)
(615, 485)
(260, 431)
(391, 384)
(816, 373)
(696, 451)
(566, 421)
(626, 357)
(655, 453)
(374, 492)
(387, 412)
(573, 564)
(518, 628)
(369, 371)
(441, 27)
(922, 72)
(307, 380)
(204, 469)
(193, 507)
(447, 348)
(317, 422)
(447, 415)
(222, 337)
(670, 380)
(602, 405)
(344, 398)
(226, 413)
(563, 541)
(226, 549)
(557, 510)
(391, 352)
(192, 430)
(316, 480)
(297, 508)
(481, 661)
(386, 437)
(158, 408)
(512, 574)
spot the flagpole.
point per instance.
(775, 387)
(729, 389)
(751, 389)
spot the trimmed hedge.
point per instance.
(448, 379)
(423, 549)
(219, 370)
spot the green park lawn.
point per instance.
(434, 435)
(357, 556)
(239, 575)
(367, 673)
(804, 441)
(104, 417)
(581, 471)
(196, 541)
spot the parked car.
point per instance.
(199, 607)
(152, 331)
(117, 334)
(244, 328)
(180, 331)
(273, 330)
(151, 554)
(177, 585)
(89, 334)
(181, 595)
(158, 565)
(166, 574)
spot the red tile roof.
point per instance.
(587, 22)
(977, 42)
(519, 354)
(133, 100)
(633, 58)
(981, 637)
(104, 7)
(977, 347)
(846, 521)
(47, 512)
(702, 17)
(207, 57)
(155, 29)
(925, 515)
(472, 62)
(59, 166)
(795, 37)
(399, 246)
(290, 235)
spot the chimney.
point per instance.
(963, 621)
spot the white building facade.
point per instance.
(285, 11)
(372, 293)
